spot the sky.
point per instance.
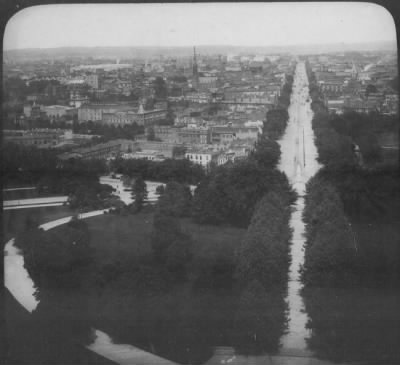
(237, 24)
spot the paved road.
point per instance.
(299, 163)
(34, 202)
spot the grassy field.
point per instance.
(115, 236)
(14, 220)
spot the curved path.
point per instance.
(35, 202)
(21, 286)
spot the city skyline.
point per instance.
(183, 25)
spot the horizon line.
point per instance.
(207, 45)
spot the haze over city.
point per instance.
(250, 24)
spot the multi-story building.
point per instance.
(204, 157)
(207, 83)
(226, 134)
(331, 86)
(41, 138)
(119, 118)
(93, 81)
(391, 104)
(144, 155)
(94, 112)
(166, 133)
(100, 151)
(150, 117)
(360, 105)
(165, 149)
(58, 111)
(193, 136)
(198, 97)
(77, 99)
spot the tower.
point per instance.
(195, 70)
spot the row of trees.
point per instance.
(337, 134)
(364, 130)
(229, 194)
(39, 167)
(352, 240)
(277, 119)
(182, 171)
(368, 198)
(264, 253)
(59, 261)
(331, 247)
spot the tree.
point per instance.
(267, 152)
(139, 192)
(178, 151)
(370, 89)
(57, 258)
(264, 252)
(160, 190)
(160, 88)
(330, 245)
(150, 134)
(176, 200)
(259, 320)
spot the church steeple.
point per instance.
(195, 70)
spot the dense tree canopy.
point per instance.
(175, 200)
(182, 171)
(139, 192)
(264, 252)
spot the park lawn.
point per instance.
(118, 236)
(210, 242)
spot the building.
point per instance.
(226, 134)
(41, 138)
(93, 81)
(32, 111)
(150, 117)
(204, 157)
(335, 105)
(77, 99)
(99, 151)
(119, 118)
(390, 105)
(94, 112)
(198, 97)
(251, 97)
(360, 105)
(58, 111)
(162, 148)
(193, 136)
(207, 82)
(166, 133)
(144, 155)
